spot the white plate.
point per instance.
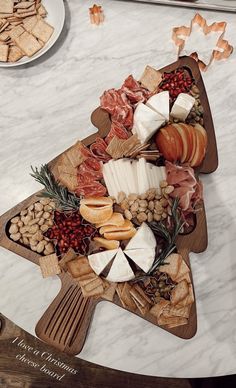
(55, 17)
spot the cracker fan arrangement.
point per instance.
(121, 210)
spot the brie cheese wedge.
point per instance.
(120, 270)
(98, 261)
(144, 258)
(160, 103)
(182, 106)
(146, 122)
(143, 238)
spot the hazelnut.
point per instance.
(33, 229)
(40, 247)
(128, 214)
(44, 228)
(13, 229)
(124, 204)
(157, 217)
(34, 221)
(49, 248)
(142, 217)
(38, 207)
(46, 215)
(15, 220)
(15, 236)
(143, 203)
(45, 201)
(151, 205)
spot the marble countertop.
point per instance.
(46, 106)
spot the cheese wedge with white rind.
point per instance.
(160, 103)
(182, 106)
(98, 261)
(120, 270)
(144, 258)
(144, 238)
(146, 122)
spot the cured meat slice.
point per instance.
(187, 188)
(134, 91)
(118, 130)
(98, 150)
(117, 104)
(90, 169)
(91, 189)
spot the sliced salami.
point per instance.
(93, 189)
(98, 150)
(117, 129)
(90, 169)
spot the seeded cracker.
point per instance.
(49, 265)
(6, 6)
(3, 53)
(42, 30)
(28, 44)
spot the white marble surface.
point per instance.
(46, 106)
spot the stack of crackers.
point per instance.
(23, 30)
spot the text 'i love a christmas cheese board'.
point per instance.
(122, 209)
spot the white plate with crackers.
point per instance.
(28, 29)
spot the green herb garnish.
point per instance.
(64, 200)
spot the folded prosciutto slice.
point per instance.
(134, 91)
(187, 188)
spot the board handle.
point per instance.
(65, 323)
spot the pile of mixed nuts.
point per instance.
(152, 205)
(29, 227)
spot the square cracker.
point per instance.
(179, 293)
(14, 54)
(28, 44)
(24, 4)
(79, 266)
(42, 30)
(42, 11)
(75, 154)
(151, 78)
(6, 6)
(49, 265)
(30, 22)
(16, 32)
(158, 308)
(4, 52)
(171, 265)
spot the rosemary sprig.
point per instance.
(64, 200)
(169, 235)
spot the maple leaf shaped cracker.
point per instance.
(223, 48)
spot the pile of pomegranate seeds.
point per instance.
(71, 231)
(176, 82)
